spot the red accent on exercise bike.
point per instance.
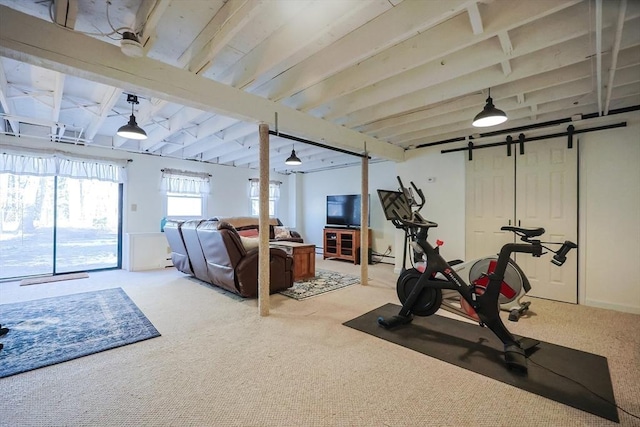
(483, 281)
(481, 284)
(439, 242)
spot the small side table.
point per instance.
(304, 258)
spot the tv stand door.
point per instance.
(342, 243)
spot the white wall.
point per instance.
(609, 271)
(442, 180)
(444, 193)
(315, 187)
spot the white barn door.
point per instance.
(547, 196)
(537, 189)
(490, 200)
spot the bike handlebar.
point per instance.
(561, 256)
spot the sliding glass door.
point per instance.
(87, 223)
(26, 225)
(51, 225)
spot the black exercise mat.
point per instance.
(479, 350)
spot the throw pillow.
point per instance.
(250, 242)
(250, 232)
(281, 232)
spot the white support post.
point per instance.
(364, 221)
(263, 254)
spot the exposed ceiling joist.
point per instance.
(75, 53)
(65, 12)
(6, 103)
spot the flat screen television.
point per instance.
(344, 210)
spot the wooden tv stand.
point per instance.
(343, 243)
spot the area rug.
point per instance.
(54, 330)
(56, 278)
(323, 282)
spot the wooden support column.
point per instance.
(364, 221)
(263, 254)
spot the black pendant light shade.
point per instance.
(131, 130)
(293, 160)
(490, 115)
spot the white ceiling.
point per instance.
(395, 74)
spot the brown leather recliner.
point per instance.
(179, 255)
(217, 256)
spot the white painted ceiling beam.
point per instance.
(545, 84)
(215, 125)
(206, 130)
(599, 53)
(232, 18)
(590, 106)
(248, 152)
(109, 100)
(239, 130)
(176, 123)
(359, 13)
(279, 151)
(306, 153)
(463, 118)
(547, 59)
(475, 19)
(298, 36)
(539, 101)
(222, 149)
(559, 28)
(622, 9)
(402, 56)
(73, 53)
(147, 19)
(332, 161)
(309, 156)
(58, 91)
(522, 116)
(65, 12)
(177, 143)
(6, 102)
(203, 145)
(388, 29)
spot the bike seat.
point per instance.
(526, 232)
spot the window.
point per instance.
(254, 197)
(186, 193)
(184, 205)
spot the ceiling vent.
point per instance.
(130, 45)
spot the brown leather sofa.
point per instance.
(213, 252)
(246, 223)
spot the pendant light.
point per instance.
(131, 130)
(490, 115)
(293, 160)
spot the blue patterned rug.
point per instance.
(54, 330)
(325, 281)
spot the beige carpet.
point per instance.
(219, 364)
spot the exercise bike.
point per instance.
(514, 286)
(421, 292)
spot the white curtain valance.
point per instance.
(57, 164)
(185, 182)
(274, 188)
